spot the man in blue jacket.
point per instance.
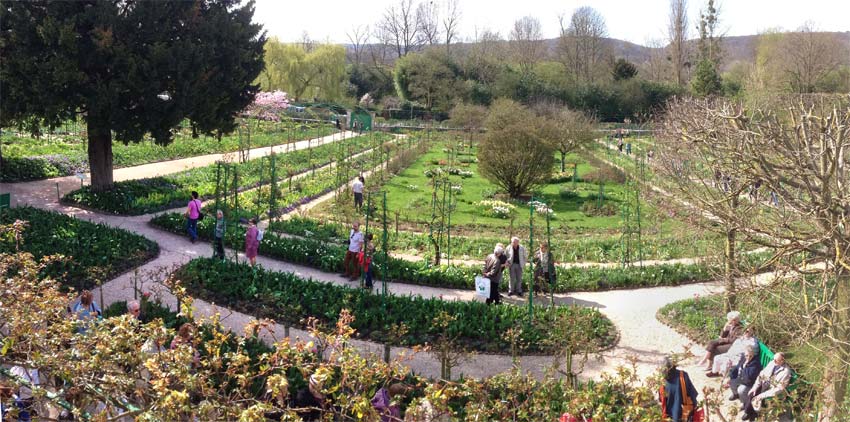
(745, 373)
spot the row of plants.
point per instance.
(287, 297)
(328, 256)
(565, 247)
(27, 158)
(257, 203)
(94, 253)
(143, 196)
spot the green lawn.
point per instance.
(410, 193)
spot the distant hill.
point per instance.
(738, 48)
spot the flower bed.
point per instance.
(94, 252)
(284, 296)
(143, 196)
(329, 256)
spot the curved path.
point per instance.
(643, 339)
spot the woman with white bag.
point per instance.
(493, 266)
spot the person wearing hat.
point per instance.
(678, 395)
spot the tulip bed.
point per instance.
(93, 252)
(291, 299)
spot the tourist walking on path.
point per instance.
(544, 264)
(355, 245)
(252, 241)
(366, 259)
(357, 188)
(23, 400)
(193, 214)
(493, 266)
(678, 395)
(219, 235)
(517, 257)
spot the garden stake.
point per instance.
(549, 243)
(365, 231)
(386, 248)
(531, 267)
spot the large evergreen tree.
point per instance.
(128, 67)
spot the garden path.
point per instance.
(643, 339)
(44, 191)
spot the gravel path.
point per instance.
(643, 339)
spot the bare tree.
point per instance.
(582, 44)
(428, 22)
(358, 37)
(451, 22)
(808, 56)
(657, 67)
(526, 42)
(710, 38)
(306, 42)
(398, 28)
(483, 57)
(795, 154)
(566, 130)
(677, 37)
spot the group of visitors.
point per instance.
(358, 256)
(514, 258)
(253, 235)
(736, 357)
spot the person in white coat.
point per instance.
(517, 258)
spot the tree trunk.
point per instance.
(100, 154)
(729, 270)
(563, 158)
(837, 371)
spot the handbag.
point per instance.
(482, 286)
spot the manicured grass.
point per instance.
(28, 158)
(410, 193)
(94, 252)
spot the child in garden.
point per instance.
(544, 267)
(366, 259)
(252, 242)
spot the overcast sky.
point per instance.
(632, 20)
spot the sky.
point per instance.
(638, 21)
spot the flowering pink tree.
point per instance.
(268, 105)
